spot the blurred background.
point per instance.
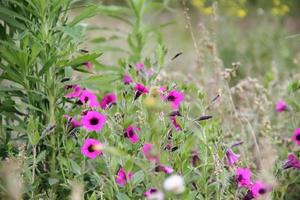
(262, 35)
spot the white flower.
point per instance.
(175, 184)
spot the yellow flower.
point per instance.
(198, 3)
(207, 10)
(241, 13)
(150, 102)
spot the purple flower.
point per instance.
(296, 136)
(175, 123)
(131, 134)
(88, 65)
(127, 79)
(75, 93)
(91, 148)
(164, 168)
(139, 66)
(291, 162)
(74, 122)
(88, 97)
(154, 194)
(175, 97)
(123, 177)
(93, 121)
(281, 106)
(140, 89)
(147, 151)
(243, 177)
(232, 158)
(108, 100)
(258, 189)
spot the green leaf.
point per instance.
(32, 131)
(52, 181)
(83, 58)
(75, 167)
(99, 81)
(138, 177)
(122, 196)
(74, 32)
(91, 11)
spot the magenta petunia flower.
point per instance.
(108, 100)
(88, 97)
(131, 134)
(154, 194)
(258, 189)
(75, 93)
(139, 66)
(140, 89)
(281, 106)
(243, 177)
(164, 168)
(175, 97)
(127, 79)
(88, 65)
(93, 121)
(291, 162)
(296, 136)
(73, 122)
(147, 148)
(123, 177)
(175, 123)
(232, 158)
(91, 148)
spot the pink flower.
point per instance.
(75, 93)
(147, 148)
(175, 123)
(296, 136)
(162, 89)
(281, 106)
(140, 89)
(139, 66)
(122, 178)
(127, 79)
(108, 100)
(164, 168)
(131, 134)
(91, 148)
(88, 97)
(258, 189)
(154, 194)
(88, 65)
(243, 177)
(93, 121)
(150, 72)
(175, 97)
(74, 122)
(291, 162)
(232, 158)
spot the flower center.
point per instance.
(262, 191)
(171, 98)
(86, 99)
(91, 148)
(153, 190)
(298, 137)
(240, 178)
(130, 133)
(94, 121)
